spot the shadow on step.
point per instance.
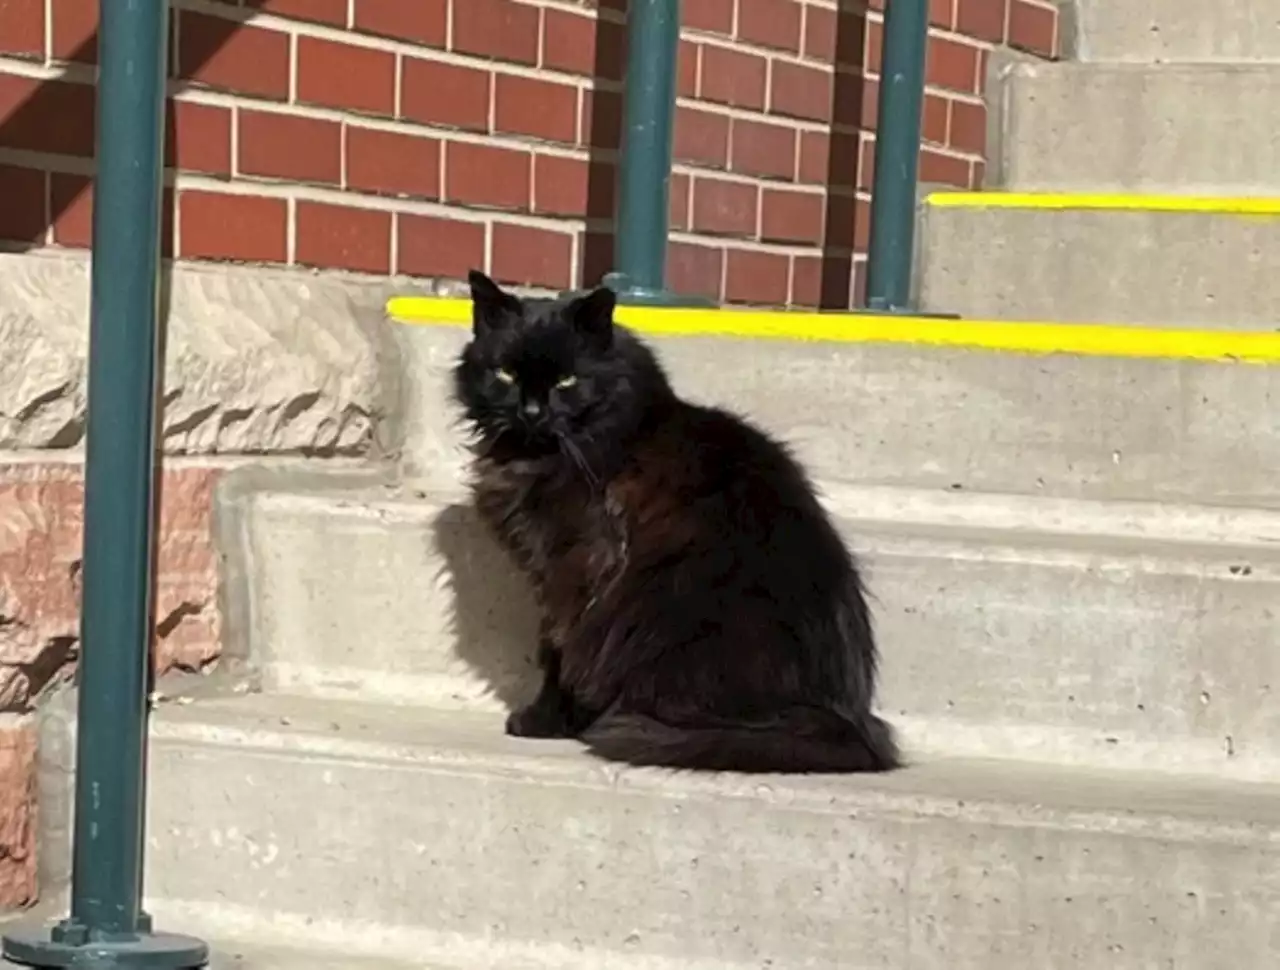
(494, 621)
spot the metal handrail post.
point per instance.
(107, 927)
(897, 158)
(644, 180)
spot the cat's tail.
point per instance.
(795, 740)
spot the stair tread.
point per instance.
(1216, 531)
(470, 742)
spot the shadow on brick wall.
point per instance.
(841, 229)
(604, 141)
(56, 117)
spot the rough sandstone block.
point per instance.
(256, 360)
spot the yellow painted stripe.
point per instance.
(1101, 340)
(1061, 201)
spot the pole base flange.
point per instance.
(50, 947)
(629, 294)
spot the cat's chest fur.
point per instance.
(568, 537)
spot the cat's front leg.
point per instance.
(552, 712)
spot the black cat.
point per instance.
(699, 609)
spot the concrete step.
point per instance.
(921, 416)
(1176, 30)
(1150, 128)
(1072, 632)
(411, 834)
(1064, 260)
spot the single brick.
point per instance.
(790, 216)
(226, 54)
(953, 65)
(770, 23)
(733, 77)
(982, 19)
(753, 276)
(22, 28)
(569, 41)
(290, 147)
(392, 163)
(247, 228)
(945, 169)
(445, 94)
(198, 138)
(757, 148)
(501, 29)
(430, 246)
(540, 109)
(800, 91)
(714, 16)
(967, 131)
(524, 255)
(485, 175)
(1033, 27)
(421, 21)
(341, 237)
(74, 25)
(345, 76)
(934, 118)
(560, 185)
(695, 270)
(820, 34)
(22, 216)
(724, 208)
(46, 116)
(701, 137)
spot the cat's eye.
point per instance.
(566, 382)
(505, 375)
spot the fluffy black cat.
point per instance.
(699, 609)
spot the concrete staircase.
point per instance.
(1076, 569)
(1169, 97)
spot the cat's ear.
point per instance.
(592, 315)
(492, 307)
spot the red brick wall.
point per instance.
(427, 136)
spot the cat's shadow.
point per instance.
(495, 622)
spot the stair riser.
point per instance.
(1177, 30)
(992, 645)
(1083, 266)
(1141, 135)
(599, 873)
(1090, 427)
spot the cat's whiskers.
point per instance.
(570, 448)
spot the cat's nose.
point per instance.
(532, 409)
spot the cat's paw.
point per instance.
(536, 722)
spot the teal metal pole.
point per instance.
(644, 183)
(106, 927)
(893, 192)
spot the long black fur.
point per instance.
(699, 608)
